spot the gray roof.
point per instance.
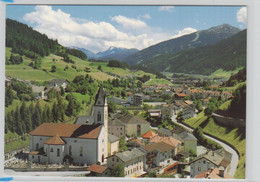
(187, 136)
(84, 119)
(130, 155)
(58, 82)
(211, 156)
(165, 131)
(112, 138)
(129, 119)
(115, 122)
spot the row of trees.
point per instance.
(117, 64)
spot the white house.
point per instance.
(132, 162)
(210, 160)
(74, 143)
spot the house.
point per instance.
(164, 132)
(148, 135)
(178, 96)
(38, 91)
(158, 156)
(135, 125)
(58, 83)
(134, 143)
(167, 112)
(214, 173)
(155, 113)
(188, 112)
(116, 127)
(132, 161)
(113, 144)
(117, 100)
(169, 140)
(189, 141)
(135, 99)
(99, 171)
(73, 143)
(210, 160)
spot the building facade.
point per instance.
(73, 143)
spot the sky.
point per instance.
(97, 28)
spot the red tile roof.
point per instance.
(97, 168)
(55, 140)
(213, 175)
(67, 130)
(169, 140)
(34, 152)
(148, 135)
(181, 95)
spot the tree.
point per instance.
(198, 106)
(9, 96)
(118, 171)
(73, 107)
(53, 68)
(122, 144)
(210, 109)
(99, 68)
(111, 107)
(55, 112)
(179, 117)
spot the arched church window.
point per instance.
(99, 116)
(81, 151)
(58, 152)
(70, 150)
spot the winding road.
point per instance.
(235, 158)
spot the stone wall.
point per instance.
(229, 121)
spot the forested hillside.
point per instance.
(227, 54)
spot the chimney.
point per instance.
(221, 171)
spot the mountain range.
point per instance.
(197, 39)
(117, 53)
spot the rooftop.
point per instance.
(55, 140)
(169, 140)
(97, 168)
(129, 155)
(112, 138)
(148, 135)
(160, 146)
(67, 130)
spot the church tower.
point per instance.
(101, 117)
(101, 108)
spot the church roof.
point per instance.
(100, 93)
(55, 140)
(67, 130)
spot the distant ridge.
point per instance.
(197, 39)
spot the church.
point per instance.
(79, 143)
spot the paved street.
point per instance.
(235, 158)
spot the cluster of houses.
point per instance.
(94, 140)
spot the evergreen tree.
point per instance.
(49, 115)
(55, 112)
(18, 122)
(9, 96)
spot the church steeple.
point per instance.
(101, 99)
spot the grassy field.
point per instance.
(16, 144)
(220, 73)
(234, 136)
(25, 72)
(158, 81)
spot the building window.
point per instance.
(99, 116)
(113, 159)
(121, 128)
(75, 141)
(58, 152)
(120, 133)
(51, 149)
(40, 138)
(199, 169)
(117, 160)
(204, 162)
(103, 157)
(70, 150)
(37, 146)
(33, 157)
(81, 151)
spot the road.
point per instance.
(235, 157)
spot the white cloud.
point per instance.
(97, 36)
(129, 22)
(184, 31)
(146, 16)
(242, 15)
(166, 8)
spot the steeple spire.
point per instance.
(100, 99)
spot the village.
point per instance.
(123, 143)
